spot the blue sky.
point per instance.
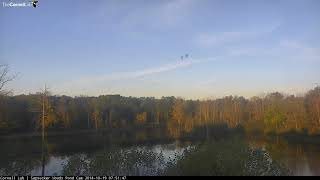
(133, 48)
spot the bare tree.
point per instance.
(4, 76)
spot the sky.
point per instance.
(133, 47)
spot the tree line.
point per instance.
(273, 113)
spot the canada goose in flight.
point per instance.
(186, 56)
(34, 3)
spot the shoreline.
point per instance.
(291, 137)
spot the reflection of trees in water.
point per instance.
(231, 157)
(223, 157)
(115, 161)
(77, 165)
(301, 159)
(21, 166)
(290, 154)
(23, 156)
(314, 161)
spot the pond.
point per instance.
(97, 155)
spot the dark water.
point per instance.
(302, 158)
(97, 155)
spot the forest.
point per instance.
(274, 113)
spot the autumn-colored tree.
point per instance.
(312, 102)
(141, 118)
(273, 119)
(295, 113)
(43, 107)
(62, 112)
(175, 126)
(96, 114)
(254, 122)
(275, 112)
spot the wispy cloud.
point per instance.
(150, 71)
(209, 39)
(227, 37)
(173, 11)
(299, 46)
(301, 51)
(285, 49)
(131, 75)
(154, 14)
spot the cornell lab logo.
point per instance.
(32, 3)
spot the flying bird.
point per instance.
(186, 56)
(34, 3)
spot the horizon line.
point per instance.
(260, 95)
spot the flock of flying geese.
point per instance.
(186, 56)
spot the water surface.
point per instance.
(96, 155)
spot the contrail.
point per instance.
(87, 82)
(152, 70)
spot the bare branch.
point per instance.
(4, 75)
